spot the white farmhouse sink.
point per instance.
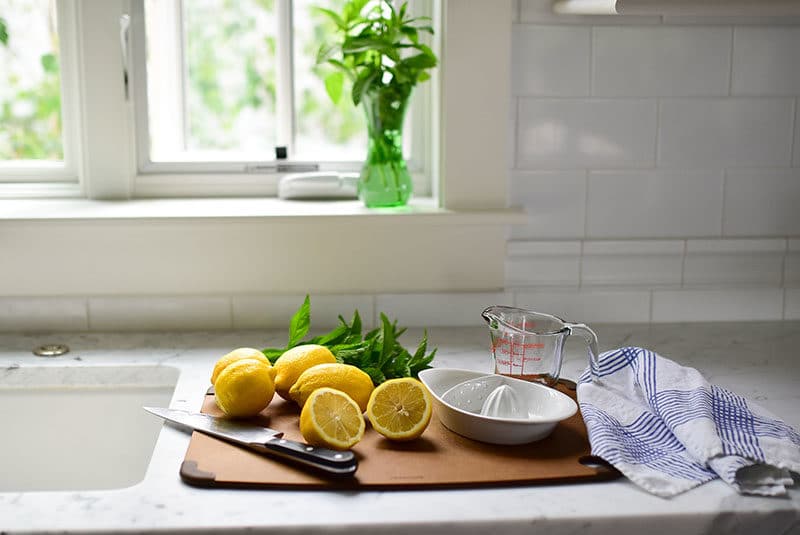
(79, 428)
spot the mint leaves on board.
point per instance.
(378, 353)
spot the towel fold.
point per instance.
(668, 430)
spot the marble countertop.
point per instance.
(757, 360)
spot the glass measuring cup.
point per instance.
(530, 345)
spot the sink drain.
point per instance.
(51, 350)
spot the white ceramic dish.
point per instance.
(545, 407)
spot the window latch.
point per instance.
(124, 27)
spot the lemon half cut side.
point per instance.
(330, 418)
(400, 409)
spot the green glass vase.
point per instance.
(385, 180)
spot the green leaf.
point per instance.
(411, 33)
(49, 63)
(332, 15)
(376, 375)
(272, 353)
(300, 323)
(420, 61)
(336, 336)
(362, 84)
(388, 336)
(3, 31)
(355, 326)
(334, 83)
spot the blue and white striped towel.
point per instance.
(668, 430)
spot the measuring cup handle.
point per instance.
(591, 340)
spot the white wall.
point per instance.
(659, 163)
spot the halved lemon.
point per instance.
(400, 409)
(330, 418)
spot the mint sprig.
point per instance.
(378, 353)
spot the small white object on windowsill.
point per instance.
(322, 185)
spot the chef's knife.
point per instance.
(262, 440)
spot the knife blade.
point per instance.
(262, 440)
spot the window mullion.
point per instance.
(284, 98)
(105, 138)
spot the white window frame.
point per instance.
(242, 178)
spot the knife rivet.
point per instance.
(282, 441)
(338, 456)
(309, 448)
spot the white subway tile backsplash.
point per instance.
(43, 314)
(589, 305)
(550, 60)
(762, 202)
(791, 267)
(730, 20)
(159, 313)
(661, 61)
(439, 310)
(766, 61)
(555, 202)
(580, 133)
(729, 304)
(541, 11)
(791, 307)
(733, 132)
(632, 262)
(654, 204)
(533, 263)
(796, 149)
(734, 262)
(275, 311)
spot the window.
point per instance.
(33, 121)
(214, 89)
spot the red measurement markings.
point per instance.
(515, 354)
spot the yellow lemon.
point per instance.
(295, 361)
(400, 409)
(244, 388)
(238, 354)
(330, 418)
(349, 379)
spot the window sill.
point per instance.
(421, 210)
(144, 247)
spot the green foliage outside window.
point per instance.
(30, 121)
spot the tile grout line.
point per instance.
(657, 138)
(794, 152)
(730, 61)
(586, 174)
(722, 211)
(592, 68)
(683, 263)
(88, 314)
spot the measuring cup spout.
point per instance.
(489, 315)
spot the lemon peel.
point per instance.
(349, 379)
(294, 362)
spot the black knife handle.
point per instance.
(331, 461)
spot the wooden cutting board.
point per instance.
(440, 458)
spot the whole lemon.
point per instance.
(237, 354)
(295, 361)
(344, 377)
(244, 388)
